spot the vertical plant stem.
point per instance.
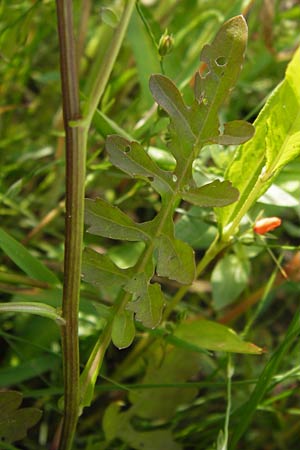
(107, 63)
(75, 176)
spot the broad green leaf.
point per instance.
(99, 270)
(134, 160)
(235, 133)
(218, 193)
(14, 422)
(275, 143)
(109, 221)
(165, 365)
(118, 424)
(148, 300)
(192, 127)
(229, 278)
(123, 331)
(214, 336)
(223, 58)
(24, 260)
(175, 259)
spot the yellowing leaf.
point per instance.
(214, 336)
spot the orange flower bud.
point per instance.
(262, 226)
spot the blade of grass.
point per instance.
(247, 411)
(24, 259)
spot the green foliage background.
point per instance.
(186, 410)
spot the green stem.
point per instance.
(230, 230)
(40, 309)
(107, 64)
(91, 370)
(228, 408)
(94, 363)
(75, 176)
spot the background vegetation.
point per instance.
(156, 398)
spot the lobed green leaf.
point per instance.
(109, 221)
(134, 160)
(148, 300)
(235, 133)
(99, 270)
(175, 259)
(218, 193)
(15, 422)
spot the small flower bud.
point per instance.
(166, 43)
(263, 226)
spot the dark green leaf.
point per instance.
(148, 300)
(175, 260)
(134, 160)
(224, 57)
(217, 193)
(177, 366)
(109, 221)
(167, 95)
(235, 133)
(99, 270)
(117, 424)
(15, 422)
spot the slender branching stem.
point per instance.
(75, 177)
(76, 131)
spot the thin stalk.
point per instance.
(76, 142)
(248, 409)
(75, 177)
(228, 408)
(252, 197)
(107, 64)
